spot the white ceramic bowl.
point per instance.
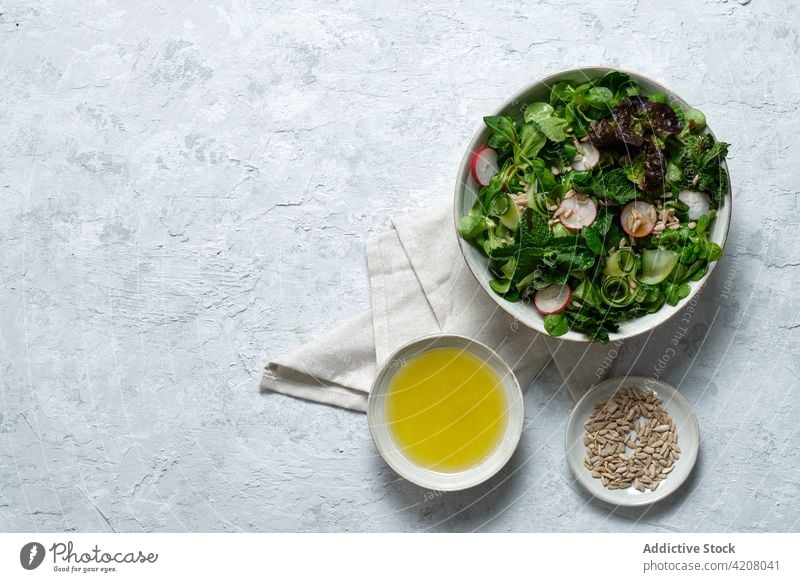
(467, 189)
(424, 477)
(679, 410)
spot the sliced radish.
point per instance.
(638, 218)
(576, 212)
(483, 165)
(587, 158)
(552, 299)
(698, 202)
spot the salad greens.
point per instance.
(595, 206)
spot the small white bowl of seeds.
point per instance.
(632, 440)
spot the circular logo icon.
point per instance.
(31, 555)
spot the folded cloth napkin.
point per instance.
(421, 285)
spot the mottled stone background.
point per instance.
(187, 188)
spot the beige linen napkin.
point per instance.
(421, 285)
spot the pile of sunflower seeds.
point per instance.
(631, 441)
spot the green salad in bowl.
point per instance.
(591, 204)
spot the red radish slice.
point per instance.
(552, 299)
(587, 158)
(576, 212)
(483, 165)
(698, 202)
(638, 218)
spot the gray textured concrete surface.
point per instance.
(187, 188)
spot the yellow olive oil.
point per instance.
(446, 409)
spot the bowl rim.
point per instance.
(515, 100)
(515, 424)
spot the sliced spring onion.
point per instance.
(511, 218)
(538, 200)
(620, 262)
(500, 205)
(627, 260)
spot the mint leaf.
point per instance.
(593, 239)
(614, 186)
(574, 258)
(534, 230)
(701, 159)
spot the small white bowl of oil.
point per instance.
(445, 412)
